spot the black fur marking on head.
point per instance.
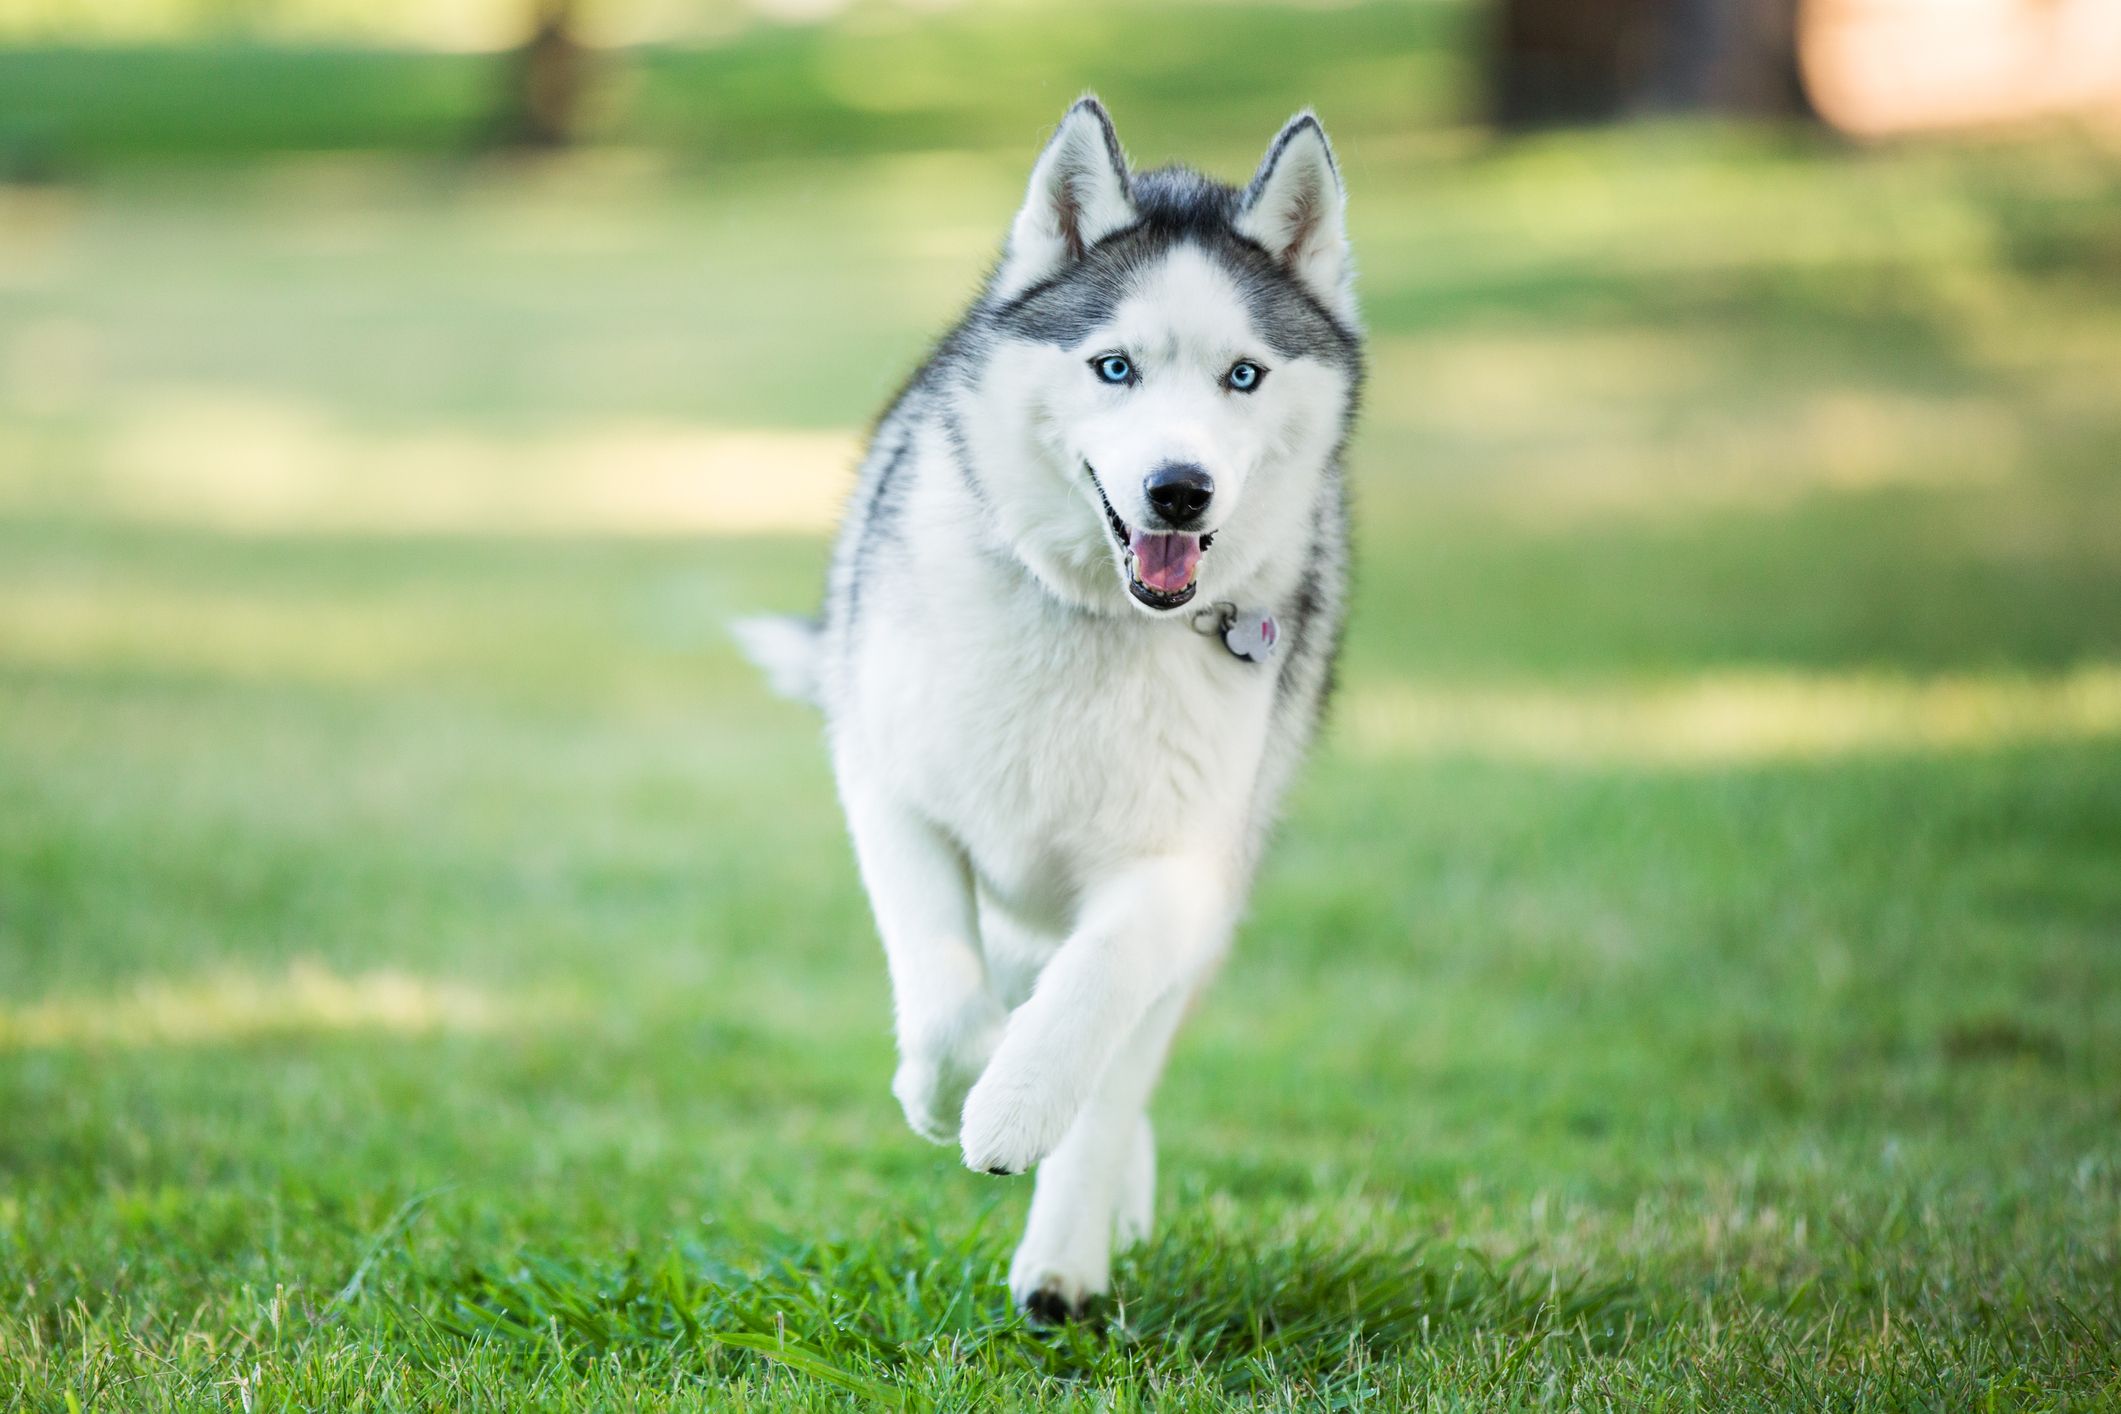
(1181, 199)
(1177, 206)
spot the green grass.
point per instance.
(432, 973)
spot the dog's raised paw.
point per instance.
(1008, 1128)
(929, 1097)
(936, 1074)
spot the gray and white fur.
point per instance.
(1059, 787)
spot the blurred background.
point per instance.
(396, 398)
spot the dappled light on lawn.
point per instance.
(1731, 718)
(234, 1006)
(252, 463)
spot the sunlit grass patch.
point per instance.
(1664, 423)
(1732, 718)
(233, 1006)
(252, 464)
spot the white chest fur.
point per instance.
(1050, 742)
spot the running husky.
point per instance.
(1079, 626)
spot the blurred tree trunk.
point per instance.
(1556, 62)
(545, 80)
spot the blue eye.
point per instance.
(1244, 376)
(1113, 368)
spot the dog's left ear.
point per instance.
(1297, 209)
(1078, 196)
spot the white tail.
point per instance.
(786, 650)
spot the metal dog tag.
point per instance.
(1250, 634)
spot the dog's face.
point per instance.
(1172, 367)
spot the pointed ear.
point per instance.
(1078, 196)
(1297, 209)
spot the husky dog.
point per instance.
(1079, 625)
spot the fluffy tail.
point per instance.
(786, 649)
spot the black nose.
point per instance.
(1180, 491)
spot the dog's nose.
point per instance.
(1180, 492)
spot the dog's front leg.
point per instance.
(1141, 936)
(949, 1021)
(1097, 1192)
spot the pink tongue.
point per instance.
(1165, 562)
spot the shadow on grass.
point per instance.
(1305, 1306)
(909, 1315)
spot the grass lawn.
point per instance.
(432, 972)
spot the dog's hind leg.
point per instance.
(1096, 1191)
(1134, 1211)
(1016, 950)
(949, 1020)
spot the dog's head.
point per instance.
(1171, 368)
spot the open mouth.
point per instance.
(1160, 565)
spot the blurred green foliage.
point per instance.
(980, 76)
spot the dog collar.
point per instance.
(1249, 634)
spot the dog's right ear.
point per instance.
(1078, 196)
